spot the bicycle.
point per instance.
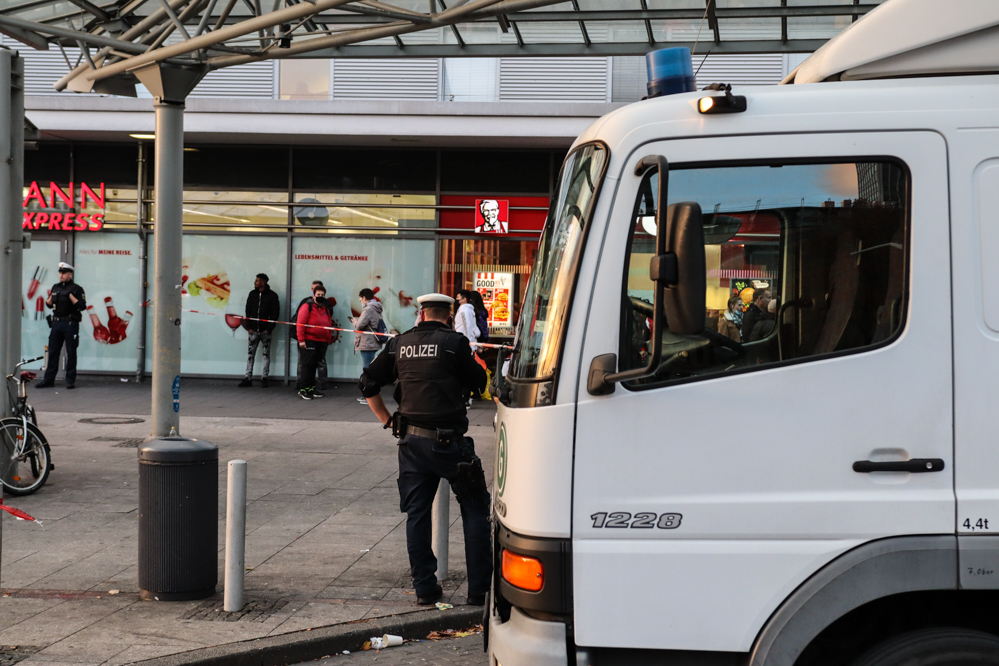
(26, 459)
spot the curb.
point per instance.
(310, 644)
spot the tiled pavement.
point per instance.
(325, 539)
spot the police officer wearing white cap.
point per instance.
(435, 372)
(67, 301)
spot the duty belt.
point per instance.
(400, 428)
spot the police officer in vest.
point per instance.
(67, 301)
(435, 373)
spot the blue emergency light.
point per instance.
(670, 71)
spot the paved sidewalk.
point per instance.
(325, 538)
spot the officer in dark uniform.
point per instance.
(435, 371)
(67, 301)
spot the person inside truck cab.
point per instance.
(757, 311)
(730, 321)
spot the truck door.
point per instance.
(975, 182)
(705, 494)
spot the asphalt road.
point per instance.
(446, 652)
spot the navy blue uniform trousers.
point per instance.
(420, 471)
(68, 333)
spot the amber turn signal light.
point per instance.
(524, 572)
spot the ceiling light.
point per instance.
(143, 136)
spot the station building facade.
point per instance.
(401, 195)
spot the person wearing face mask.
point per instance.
(330, 303)
(67, 301)
(314, 335)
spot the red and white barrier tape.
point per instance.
(328, 328)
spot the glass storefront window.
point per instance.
(212, 343)
(497, 269)
(396, 270)
(107, 266)
(304, 79)
(232, 211)
(338, 212)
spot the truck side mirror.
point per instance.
(677, 270)
(685, 281)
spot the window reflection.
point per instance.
(304, 79)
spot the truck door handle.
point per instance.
(915, 466)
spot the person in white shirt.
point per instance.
(464, 318)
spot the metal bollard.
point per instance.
(440, 521)
(235, 536)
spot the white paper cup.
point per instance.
(391, 641)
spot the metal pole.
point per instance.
(440, 521)
(235, 536)
(140, 362)
(11, 185)
(168, 242)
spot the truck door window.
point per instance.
(803, 261)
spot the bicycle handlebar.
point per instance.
(30, 360)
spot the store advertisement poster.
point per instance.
(396, 270)
(39, 272)
(107, 267)
(217, 276)
(497, 295)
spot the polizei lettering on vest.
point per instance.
(418, 351)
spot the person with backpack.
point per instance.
(313, 324)
(370, 320)
(330, 303)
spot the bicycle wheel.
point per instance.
(24, 473)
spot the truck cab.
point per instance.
(810, 474)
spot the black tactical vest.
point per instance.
(428, 389)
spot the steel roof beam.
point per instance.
(580, 49)
(478, 9)
(91, 8)
(251, 25)
(651, 14)
(137, 30)
(76, 35)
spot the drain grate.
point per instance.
(111, 420)
(256, 610)
(11, 654)
(120, 443)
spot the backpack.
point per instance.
(294, 329)
(381, 328)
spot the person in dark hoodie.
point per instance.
(262, 303)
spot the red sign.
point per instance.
(64, 221)
(462, 213)
(492, 216)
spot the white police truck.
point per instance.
(806, 475)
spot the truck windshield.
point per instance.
(546, 303)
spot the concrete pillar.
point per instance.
(440, 522)
(11, 201)
(168, 241)
(169, 86)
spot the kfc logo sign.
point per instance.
(64, 220)
(492, 216)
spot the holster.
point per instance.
(48, 319)
(470, 481)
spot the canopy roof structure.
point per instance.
(119, 37)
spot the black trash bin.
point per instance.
(178, 519)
